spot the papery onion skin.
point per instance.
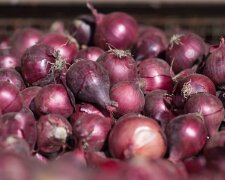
(117, 29)
(136, 135)
(215, 65)
(128, 96)
(90, 53)
(53, 98)
(89, 82)
(53, 132)
(192, 84)
(66, 46)
(12, 76)
(22, 39)
(119, 64)
(209, 106)
(36, 63)
(184, 51)
(154, 73)
(10, 98)
(186, 135)
(158, 105)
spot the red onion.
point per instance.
(53, 133)
(28, 95)
(215, 65)
(66, 46)
(152, 42)
(209, 106)
(184, 73)
(90, 53)
(86, 108)
(12, 76)
(38, 64)
(4, 41)
(57, 26)
(89, 82)
(82, 29)
(221, 96)
(158, 105)
(16, 145)
(195, 165)
(217, 140)
(23, 39)
(53, 98)
(21, 124)
(128, 96)
(119, 64)
(8, 59)
(184, 51)
(10, 98)
(136, 135)
(116, 29)
(154, 74)
(186, 135)
(91, 131)
(190, 85)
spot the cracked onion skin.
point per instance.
(136, 135)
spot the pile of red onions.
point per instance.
(108, 98)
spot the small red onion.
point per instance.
(10, 98)
(158, 105)
(184, 51)
(91, 131)
(136, 135)
(53, 98)
(21, 124)
(37, 64)
(89, 82)
(53, 133)
(90, 53)
(128, 96)
(117, 29)
(66, 46)
(190, 85)
(215, 65)
(154, 74)
(8, 59)
(209, 106)
(186, 135)
(23, 39)
(152, 42)
(12, 76)
(82, 29)
(119, 64)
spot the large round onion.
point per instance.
(136, 135)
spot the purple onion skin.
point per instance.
(10, 98)
(184, 51)
(192, 84)
(152, 42)
(128, 96)
(23, 39)
(89, 82)
(155, 74)
(116, 29)
(21, 124)
(120, 68)
(186, 135)
(90, 53)
(221, 96)
(215, 65)
(91, 131)
(36, 63)
(53, 98)
(8, 59)
(159, 107)
(12, 76)
(209, 106)
(66, 46)
(217, 140)
(82, 29)
(53, 133)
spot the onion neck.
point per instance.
(98, 16)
